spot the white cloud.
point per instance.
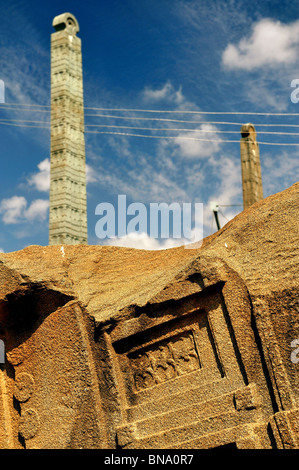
(271, 43)
(261, 92)
(15, 210)
(142, 241)
(90, 175)
(167, 92)
(12, 209)
(190, 147)
(279, 171)
(41, 180)
(1, 250)
(37, 210)
(228, 192)
(145, 178)
(196, 143)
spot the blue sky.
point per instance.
(187, 57)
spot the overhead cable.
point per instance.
(184, 138)
(212, 131)
(186, 130)
(177, 111)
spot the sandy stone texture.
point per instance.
(110, 347)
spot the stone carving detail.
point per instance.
(247, 398)
(23, 390)
(24, 386)
(29, 423)
(164, 360)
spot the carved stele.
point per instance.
(68, 214)
(251, 167)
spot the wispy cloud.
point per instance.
(271, 43)
(12, 209)
(179, 169)
(15, 210)
(264, 62)
(25, 69)
(284, 172)
(144, 172)
(41, 179)
(143, 183)
(37, 210)
(143, 241)
(201, 142)
(168, 95)
(91, 176)
(190, 141)
(165, 93)
(171, 169)
(24, 61)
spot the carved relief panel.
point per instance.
(186, 346)
(163, 361)
(182, 371)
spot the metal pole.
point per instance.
(217, 219)
(215, 207)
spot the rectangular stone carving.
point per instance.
(164, 360)
(173, 355)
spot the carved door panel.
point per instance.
(179, 368)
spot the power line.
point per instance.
(136, 118)
(275, 125)
(223, 215)
(195, 122)
(4, 121)
(154, 137)
(23, 125)
(184, 138)
(6, 106)
(155, 119)
(3, 105)
(186, 130)
(192, 112)
(28, 123)
(22, 104)
(26, 109)
(175, 120)
(212, 131)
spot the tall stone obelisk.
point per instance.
(251, 166)
(68, 212)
